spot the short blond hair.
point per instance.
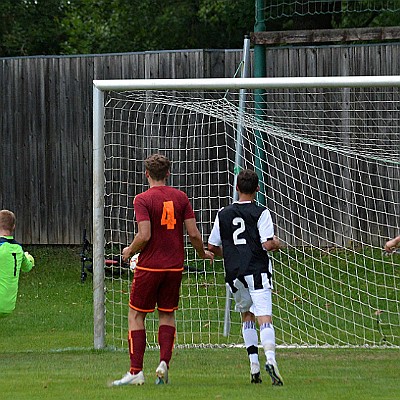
(7, 220)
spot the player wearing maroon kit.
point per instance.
(161, 214)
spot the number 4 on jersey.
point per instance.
(168, 215)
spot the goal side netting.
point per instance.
(327, 152)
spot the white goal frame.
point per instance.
(99, 88)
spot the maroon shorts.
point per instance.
(151, 288)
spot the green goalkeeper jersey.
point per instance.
(12, 261)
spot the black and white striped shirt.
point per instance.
(240, 229)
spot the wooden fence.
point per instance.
(46, 119)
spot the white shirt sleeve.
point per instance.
(215, 235)
(265, 226)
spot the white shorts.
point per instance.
(257, 301)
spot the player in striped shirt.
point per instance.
(243, 233)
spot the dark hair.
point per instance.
(247, 181)
(7, 220)
(157, 166)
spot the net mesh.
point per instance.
(339, 13)
(329, 168)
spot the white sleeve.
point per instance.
(215, 236)
(265, 226)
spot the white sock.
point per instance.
(250, 337)
(267, 335)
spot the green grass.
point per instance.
(46, 353)
(202, 374)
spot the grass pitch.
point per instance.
(46, 353)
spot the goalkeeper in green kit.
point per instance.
(12, 260)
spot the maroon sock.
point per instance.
(137, 347)
(166, 338)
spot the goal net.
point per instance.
(327, 152)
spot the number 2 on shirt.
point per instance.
(168, 215)
(242, 227)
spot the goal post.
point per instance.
(98, 220)
(247, 83)
(331, 151)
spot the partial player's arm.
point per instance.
(217, 250)
(392, 244)
(28, 262)
(196, 239)
(269, 241)
(214, 241)
(272, 244)
(139, 241)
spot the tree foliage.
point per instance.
(44, 27)
(123, 25)
(30, 27)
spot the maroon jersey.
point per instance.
(166, 208)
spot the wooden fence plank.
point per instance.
(313, 36)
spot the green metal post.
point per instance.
(259, 72)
